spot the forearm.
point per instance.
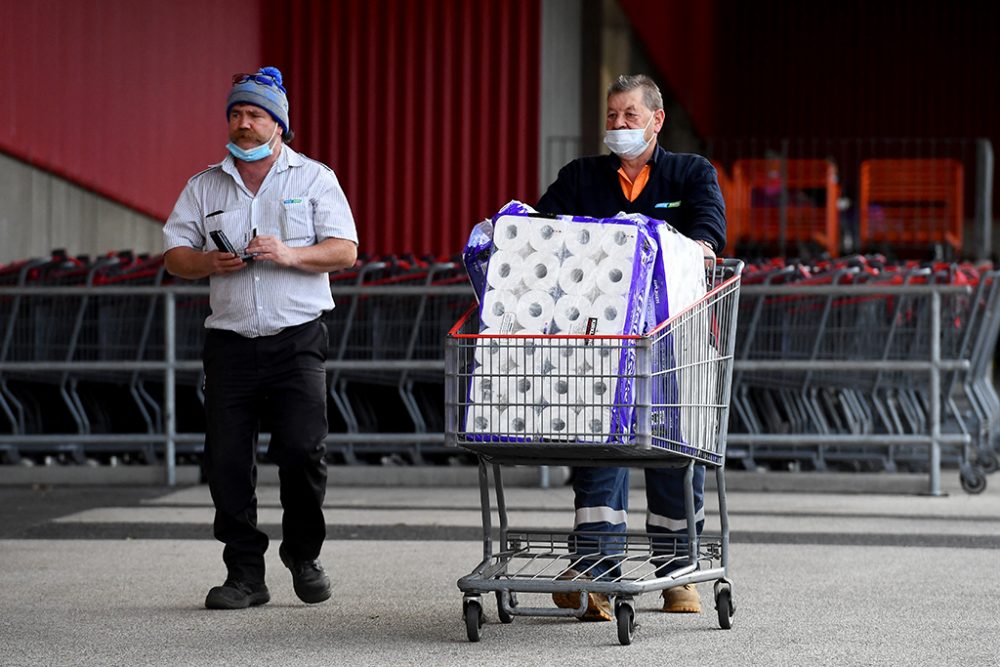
(326, 256)
(187, 263)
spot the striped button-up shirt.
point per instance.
(300, 202)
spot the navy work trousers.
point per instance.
(279, 380)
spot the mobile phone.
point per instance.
(223, 243)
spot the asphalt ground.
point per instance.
(856, 576)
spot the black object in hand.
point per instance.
(223, 243)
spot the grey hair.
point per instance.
(651, 96)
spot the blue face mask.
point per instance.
(255, 153)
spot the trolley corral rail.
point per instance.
(823, 383)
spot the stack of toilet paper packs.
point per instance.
(547, 278)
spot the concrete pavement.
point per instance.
(117, 576)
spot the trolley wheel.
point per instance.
(725, 607)
(973, 480)
(473, 619)
(501, 614)
(989, 462)
(625, 615)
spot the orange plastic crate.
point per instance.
(911, 202)
(810, 207)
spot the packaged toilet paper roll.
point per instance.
(567, 360)
(540, 270)
(489, 390)
(561, 391)
(532, 356)
(577, 275)
(584, 239)
(534, 311)
(511, 233)
(572, 311)
(601, 358)
(555, 423)
(610, 311)
(524, 390)
(505, 270)
(614, 275)
(597, 391)
(493, 354)
(519, 422)
(547, 235)
(483, 419)
(498, 310)
(619, 240)
(593, 424)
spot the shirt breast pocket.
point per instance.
(297, 222)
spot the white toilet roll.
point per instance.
(540, 270)
(610, 311)
(505, 270)
(498, 307)
(511, 233)
(593, 424)
(555, 423)
(547, 235)
(614, 275)
(584, 238)
(601, 358)
(524, 390)
(572, 311)
(489, 389)
(577, 275)
(567, 361)
(597, 391)
(493, 354)
(519, 422)
(534, 311)
(483, 419)
(561, 391)
(619, 240)
(532, 356)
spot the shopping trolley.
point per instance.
(665, 403)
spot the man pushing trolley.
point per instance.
(597, 343)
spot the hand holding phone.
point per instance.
(223, 243)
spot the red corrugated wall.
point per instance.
(124, 97)
(428, 111)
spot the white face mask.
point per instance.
(628, 144)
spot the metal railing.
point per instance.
(810, 355)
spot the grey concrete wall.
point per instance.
(559, 134)
(39, 212)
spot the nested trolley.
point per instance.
(656, 400)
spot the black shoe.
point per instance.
(308, 578)
(235, 594)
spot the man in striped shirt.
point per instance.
(288, 224)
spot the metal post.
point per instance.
(984, 198)
(935, 448)
(169, 388)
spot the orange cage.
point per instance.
(911, 202)
(806, 190)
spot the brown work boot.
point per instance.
(682, 600)
(598, 605)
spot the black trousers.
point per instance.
(280, 380)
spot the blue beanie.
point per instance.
(264, 90)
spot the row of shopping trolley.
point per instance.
(851, 364)
(859, 363)
(82, 337)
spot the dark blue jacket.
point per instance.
(683, 189)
